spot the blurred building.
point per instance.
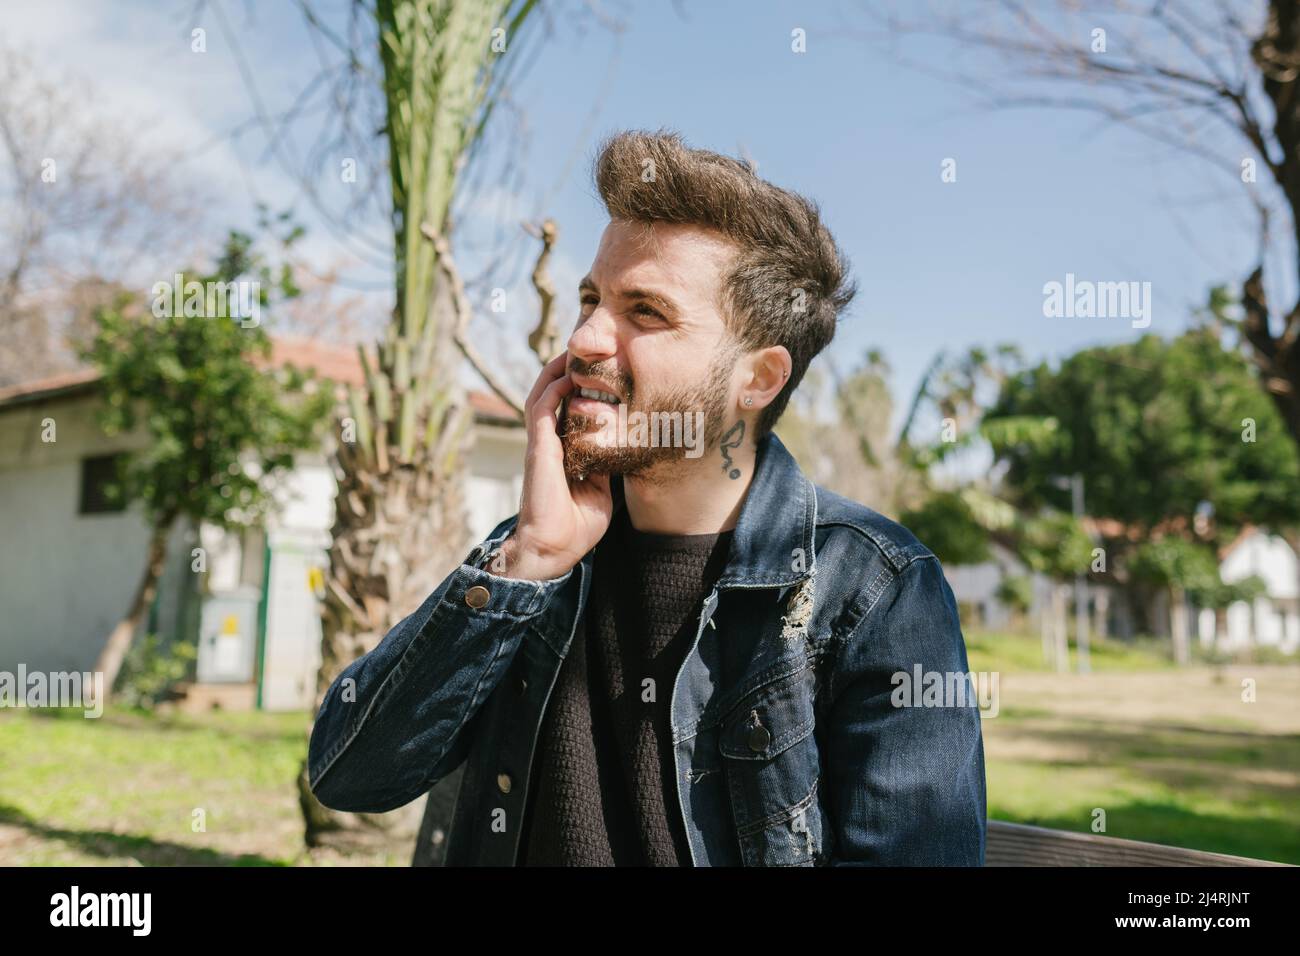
(1273, 618)
(69, 565)
(1270, 620)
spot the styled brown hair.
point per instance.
(788, 282)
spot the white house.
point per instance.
(69, 566)
(1272, 619)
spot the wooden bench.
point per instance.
(1015, 844)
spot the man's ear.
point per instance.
(769, 371)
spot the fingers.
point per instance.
(550, 372)
(541, 416)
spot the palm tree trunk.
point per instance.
(396, 535)
(399, 524)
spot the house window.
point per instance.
(98, 476)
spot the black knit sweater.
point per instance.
(603, 790)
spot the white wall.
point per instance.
(66, 579)
(1268, 556)
(496, 465)
(1272, 619)
(299, 539)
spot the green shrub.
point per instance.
(151, 668)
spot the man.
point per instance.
(680, 651)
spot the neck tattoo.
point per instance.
(738, 430)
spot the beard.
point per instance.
(591, 443)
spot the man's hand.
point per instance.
(559, 520)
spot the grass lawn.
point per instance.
(1171, 755)
(122, 790)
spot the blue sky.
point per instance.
(940, 265)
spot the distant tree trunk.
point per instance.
(1178, 625)
(1015, 620)
(1101, 612)
(1046, 623)
(1143, 601)
(1059, 592)
(119, 641)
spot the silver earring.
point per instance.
(749, 400)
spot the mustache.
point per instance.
(621, 385)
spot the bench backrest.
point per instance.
(1015, 844)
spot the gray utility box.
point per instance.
(228, 637)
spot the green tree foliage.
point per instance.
(1220, 594)
(1053, 544)
(1177, 445)
(220, 424)
(947, 526)
(1175, 562)
(1158, 428)
(1016, 591)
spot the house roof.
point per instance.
(337, 363)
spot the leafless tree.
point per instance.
(1218, 80)
(86, 206)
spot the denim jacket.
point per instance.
(791, 744)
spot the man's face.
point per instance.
(650, 335)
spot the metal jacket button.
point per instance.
(759, 738)
(477, 596)
(503, 782)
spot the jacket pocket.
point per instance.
(773, 768)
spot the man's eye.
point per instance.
(643, 309)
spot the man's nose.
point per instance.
(595, 339)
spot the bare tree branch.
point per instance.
(464, 314)
(544, 340)
(1226, 77)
